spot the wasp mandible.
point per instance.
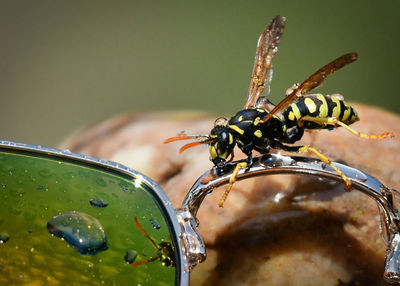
(261, 125)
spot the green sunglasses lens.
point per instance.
(65, 221)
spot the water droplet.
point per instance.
(46, 173)
(83, 232)
(130, 256)
(4, 237)
(101, 182)
(155, 224)
(69, 175)
(98, 203)
(43, 188)
(351, 172)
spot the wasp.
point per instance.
(165, 252)
(262, 126)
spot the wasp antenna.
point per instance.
(177, 138)
(184, 136)
(190, 145)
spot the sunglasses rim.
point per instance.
(164, 203)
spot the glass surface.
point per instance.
(93, 208)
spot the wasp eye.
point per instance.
(221, 121)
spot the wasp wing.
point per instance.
(267, 47)
(312, 82)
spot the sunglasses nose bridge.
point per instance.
(193, 243)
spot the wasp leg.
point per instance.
(232, 180)
(325, 159)
(231, 157)
(335, 122)
(322, 157)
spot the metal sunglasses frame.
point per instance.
(188, 242)
(271, 164)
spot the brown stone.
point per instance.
(312, 233)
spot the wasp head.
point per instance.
(220, 141)
(221, 145)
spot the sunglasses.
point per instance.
(69, 218)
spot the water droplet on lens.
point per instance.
(155, 224)
(98, 203)
(101, 182)
(130, 256)
(83, 232)
(69, 175)
(126, 187)
(43, 188)
(46, 173)
(4, 237)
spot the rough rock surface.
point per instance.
(313, 233)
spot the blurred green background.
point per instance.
(66, 64)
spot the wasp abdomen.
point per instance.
(319, 106)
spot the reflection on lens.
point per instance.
(90, 209)
(164, 250)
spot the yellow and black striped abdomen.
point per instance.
(319, 106)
